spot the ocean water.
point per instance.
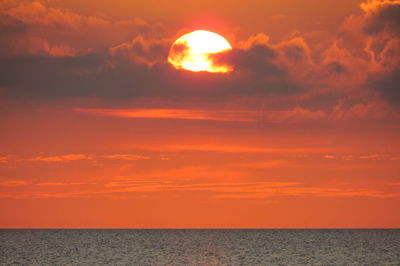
(200, 247)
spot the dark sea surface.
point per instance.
(200, 247)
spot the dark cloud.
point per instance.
(387, 84)
(296, 50)
(370, 49)
(138, 68)
(141, 51)
(256, 61)
(44, 75)
(34, 28)
(382, 20)
(335, 67)
(382, 16)
(53, 53)
(9, 25)
(102, 75)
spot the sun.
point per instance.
(192, 52)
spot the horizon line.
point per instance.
(205, 228)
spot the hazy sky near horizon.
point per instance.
(99, 130)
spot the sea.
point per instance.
(200, 247)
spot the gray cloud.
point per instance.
(115, 75)
(132, 63)
(382, 19)
(387, 84)
(382, 16)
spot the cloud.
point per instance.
(271, 116)
(231, 149)
(372, 109)
(387, 84)
(297, 114)
(80, 156)
(53, 53)
(255, 190)
(381, 16)
(219, 115)
(13, 183)
(156, 184)
(253, 57)
(354, 157)
(312, 192)
(49, 77)
(373, 156)
(62, 158)
(129, 157)
(31, 27)
(137, 68)
(381, 28)
(264, 164)
(296, 57)
(36, 13)
(349, 157)
(257, 67)
(211, 187)
(47, 184)
(141, 51)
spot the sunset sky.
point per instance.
(98, 130)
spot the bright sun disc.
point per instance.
(192, 51)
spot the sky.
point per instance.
(98, 130)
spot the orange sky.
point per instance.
(99, 131)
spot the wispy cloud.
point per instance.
(273, 116)
(263, 164)
(260, 189)
(302, 191)
(246, 189)
(350, 157)
(3, 159)
(47, 184)
(75, 157)
(373, 156)
(13, 183)
(233, 149)
(130, 157)
(312, 192)
(251, 190)
(240, 116)
(62, 158)
(156, 186)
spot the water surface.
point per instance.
(200, 247)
